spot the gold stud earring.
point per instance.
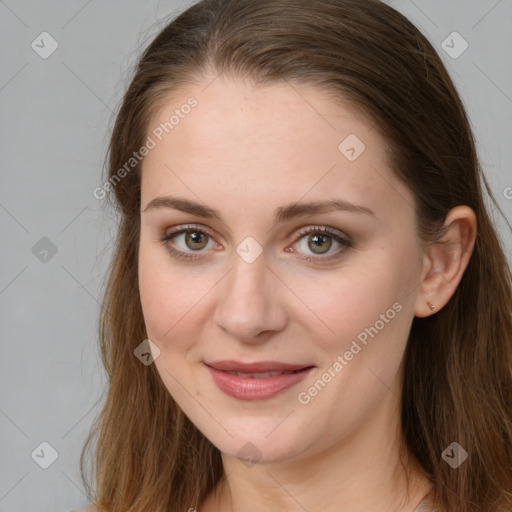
(432, 307)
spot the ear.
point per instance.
(445, 261)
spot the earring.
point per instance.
(432, 307)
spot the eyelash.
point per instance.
(323, 230)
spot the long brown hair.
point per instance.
(148, 456)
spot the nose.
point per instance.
(250, 302)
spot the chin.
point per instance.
(257, 441)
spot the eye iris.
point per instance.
(315, 241)
(192, 238)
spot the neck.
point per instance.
(362, 473)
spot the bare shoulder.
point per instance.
(426, 504)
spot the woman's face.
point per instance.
(255, 279)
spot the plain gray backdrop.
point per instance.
(57, 109)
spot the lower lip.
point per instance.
(249, 388)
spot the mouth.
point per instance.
(256, 381)
(260, 375)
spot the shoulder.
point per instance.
(426, 505)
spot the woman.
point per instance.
(308, 307)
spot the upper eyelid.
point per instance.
(187, 227)
(296, 237)
(300, 232)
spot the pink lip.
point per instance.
(251, 388)
(259, 366)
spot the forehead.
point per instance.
(249, 148)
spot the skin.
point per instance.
(246, 150)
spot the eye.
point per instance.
(319, 240)
(187, 240)
(191, 238)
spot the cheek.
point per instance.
(368, 309)
(160, 288)
(172, 298)
(152, 292)
(354, 298)
(371, 320)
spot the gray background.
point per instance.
(56, 117)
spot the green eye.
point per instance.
(319, 241)
(195, 240)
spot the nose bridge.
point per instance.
(248, 279)
(248, 302)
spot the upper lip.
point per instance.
(258, 366)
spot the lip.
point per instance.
(258, 366)
(251, 388)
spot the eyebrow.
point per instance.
(281, 214)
